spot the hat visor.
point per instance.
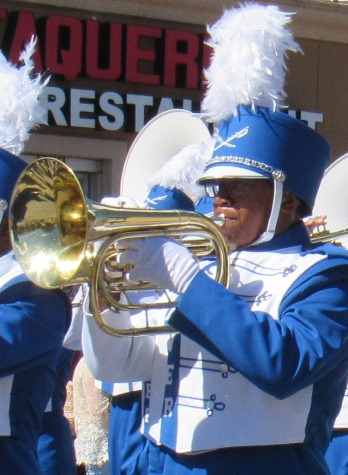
(221, 172)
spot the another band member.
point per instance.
(33, 320)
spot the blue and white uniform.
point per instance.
(33, 322)
(337, 452)
(128, 448)
(126, 443)
(56, 445)
(125, 408)
(256, 374)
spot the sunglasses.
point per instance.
(233, 189)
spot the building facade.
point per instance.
(114, 65)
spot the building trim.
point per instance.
(314, 20)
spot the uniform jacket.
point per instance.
(32, 326)
(271, 355)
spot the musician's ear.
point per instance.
(290, 203)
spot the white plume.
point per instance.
(248, 60)
(20, 110)
(184, 168)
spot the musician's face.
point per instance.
(246, 205)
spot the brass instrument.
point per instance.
(59, 239)
(332, 202)
(329, 236)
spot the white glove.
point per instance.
(120, 202)
(161, 261)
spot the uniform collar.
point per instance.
(295, 236)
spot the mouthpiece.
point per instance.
(220, 220)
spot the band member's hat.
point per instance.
(163, 198)
(205, 206)
(261, 143)
(159, 197)
(245, 98)
(11, 167)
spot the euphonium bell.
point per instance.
(54, 233)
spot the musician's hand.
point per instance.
(161, 261)
(313, 223)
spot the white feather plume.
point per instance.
(184, 168)
(248, 67)
(20, 110)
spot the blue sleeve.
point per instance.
(33, 322)
(64, 374)
(279, 356)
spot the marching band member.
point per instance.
(56, 450)
(329, 222)
(255, 375)
(127, 445)
(32, 320)
(172, 186)
(337, 453)
(55, 445)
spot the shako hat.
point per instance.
(262, 143)
(254, 138)
(11, 167)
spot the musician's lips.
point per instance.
(225, 217)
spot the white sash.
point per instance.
(216, 406)
(9, 269)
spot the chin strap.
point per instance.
(273, 218)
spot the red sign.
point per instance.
(71, 48)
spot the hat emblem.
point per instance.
(154, 201)
(220, 142)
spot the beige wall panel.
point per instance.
(302, 79)
(333, 94)
(317, 81)
(313, 19)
